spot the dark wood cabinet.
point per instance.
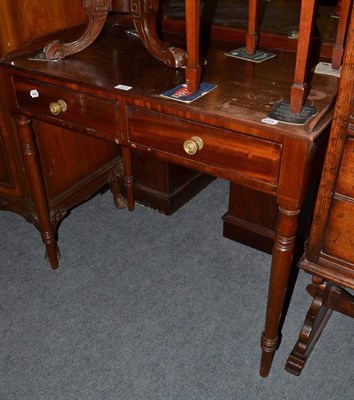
(329, 255)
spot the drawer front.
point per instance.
(82, 110)
(339, 235)
(247, 156)
(345, 182)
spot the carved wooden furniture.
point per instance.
(59, 190)
(237, 145)
(329, 255)
(144, 16)
(66, 183)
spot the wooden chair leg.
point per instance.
(193, 69)
(252, 31)
(299, 88)
(338, 48)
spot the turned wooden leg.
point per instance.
(338, 48)
(283, 251)
(315, 322)
(252, 32)
(193, 69)
(97, 12)
(36, 186)
(128, 176)
(144, 14)
(299, 88)
(115, 177)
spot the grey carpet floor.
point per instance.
(149, 307)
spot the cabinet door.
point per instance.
(10, 166)
(339, 234)
(26, 20)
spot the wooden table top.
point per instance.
(245, 91)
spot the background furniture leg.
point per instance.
(252, 32)
(338, 48)
(299, 88)
(193, 69)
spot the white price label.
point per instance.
(34, 93)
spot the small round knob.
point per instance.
(193, 145)
(58, 107)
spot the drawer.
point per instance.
(345, 182)
(338, 239)
(85, 111)
(237, 153)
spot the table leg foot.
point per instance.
(144, 16)
(97, 12)
(193, 77)
(52, 254)
(269, 347)
(251, 43)
(298, 93)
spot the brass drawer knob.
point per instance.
(193, 145)
(58, 107)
